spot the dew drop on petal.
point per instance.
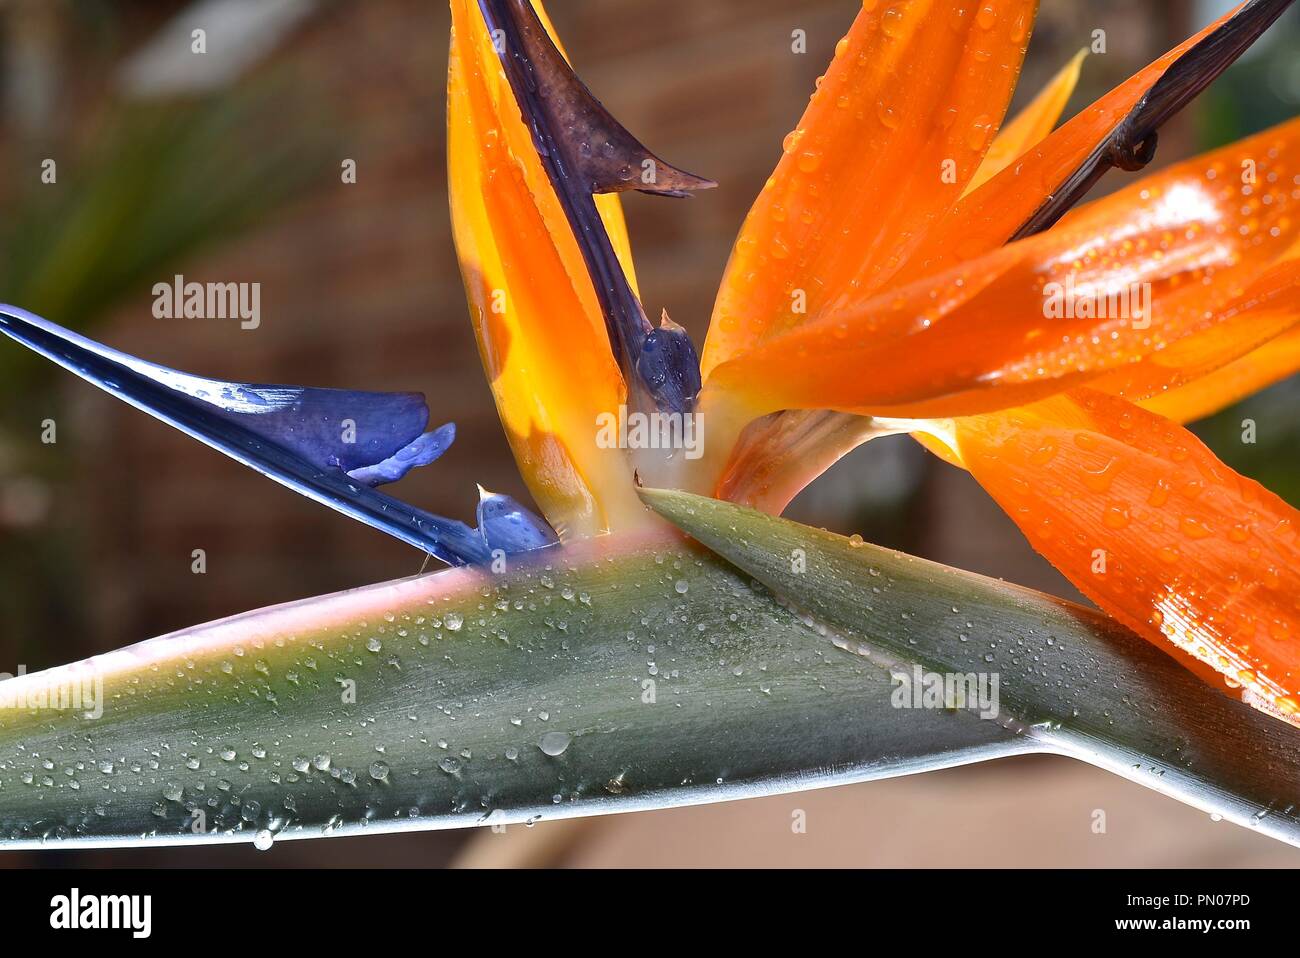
(554, 743)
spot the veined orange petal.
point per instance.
(1180, 273)
(1256, 370)
(992, 214)
(1031, 124)
(1147, 523)
(773, 458)
(540, 330)
(896, 128)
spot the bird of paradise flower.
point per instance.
(895, 275)
(873, 289)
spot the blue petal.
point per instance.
(506, 525)
(423, 451)
(327, 427)
(298, 437)
(670, 368)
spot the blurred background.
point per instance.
(226, 166)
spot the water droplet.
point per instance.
(891, 22)
(1116, 517)
(980, 131)
(554, 743)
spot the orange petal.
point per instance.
(540, 331)
(896, 128)
(1264, 310)
(992, 214)
(778, 455)
(1231, 383)
(1180, 273)
(1031, 124)
(1147, 523)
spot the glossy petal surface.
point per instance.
(1180, 273)
(896, 129)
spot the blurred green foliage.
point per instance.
(161, 183)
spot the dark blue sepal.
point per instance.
(506, 525)
(669, 367)
(306, 439)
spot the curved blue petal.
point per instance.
(421, 452)
(506, 525)
(327, 427)
(305, 439)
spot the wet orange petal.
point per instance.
(1147, 523)
(896, 128)
(540, 331)
(1180, 273)
(992, 214)
(1031, 124)
(1256, 370)
(1263, 311)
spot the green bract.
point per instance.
(611, 676)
